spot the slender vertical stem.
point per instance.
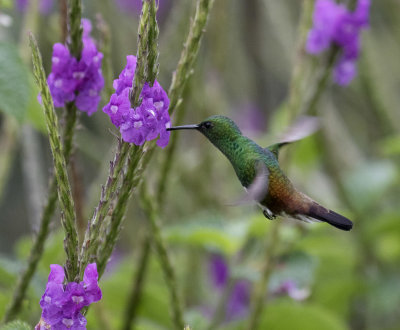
(138, 279)
(179, 80)
(35, 255)
(295, 90)
(49, 208)
(140, 76)
(64, 189)
(92, 238)
(147, 49)
(258, 297)
(168, 271)
(220, 311)
(152, 57)
(75, 29)
(130, 182)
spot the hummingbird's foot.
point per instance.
(268, 214)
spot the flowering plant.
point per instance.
(149, 119)
(62, 304)
(333, 24)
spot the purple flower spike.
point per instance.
(146, 122)
(61, 305)
(80, 81)
(219, 271)
(335, 25)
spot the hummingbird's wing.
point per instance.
(303, 127)
(258, 189)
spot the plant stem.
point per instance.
(138, 279)
(140, 76)
(38, 246)
(152, 57)
(296, 89)
(75, 29)
(64, 189)
(179, 80)
(220, 311)
(169, 273)
(35, 255)
(109, 190)
(258, 298)
(130, 181)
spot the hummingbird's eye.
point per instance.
(207, 124)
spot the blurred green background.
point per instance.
(348, 280)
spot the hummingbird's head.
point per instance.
(215, 128)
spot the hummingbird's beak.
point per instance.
(183, 127)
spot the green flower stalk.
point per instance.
(64, 189)
(140, 76)
(93, 248)
(179, 80)
(75, 29)
(131, 179)
(152, 57)
(50, 206)
(182, 74)
(109, 190)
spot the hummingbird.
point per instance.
(259, 172)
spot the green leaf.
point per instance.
(14, 82)
(290, 315)
(16, 325)
(210, 233)
(367, 183)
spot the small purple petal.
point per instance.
(56, 274)
(345, 71)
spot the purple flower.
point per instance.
(290, 288)
(21, 5)
(61, 305)
(147, 121)
(325, 17)
(80, 81)
(334, 24)
(239, 301)
(219, 271)
(45, 6)
(345, 71)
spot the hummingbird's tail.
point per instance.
(321, 213)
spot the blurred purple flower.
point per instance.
(146, 122)
(219, 271)
(239, 302)
(61, 305)
(21, 5)
(45, 6)
(290, 288)
(334, 24)
(80, 81)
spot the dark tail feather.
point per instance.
(320, 213)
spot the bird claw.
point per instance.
(269, 215)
